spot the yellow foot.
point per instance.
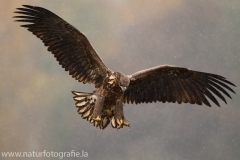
(126, 123)
(120, 123)
(98, 118)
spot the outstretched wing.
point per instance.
(175, 84)
(70, 47)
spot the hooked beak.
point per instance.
(123, 88)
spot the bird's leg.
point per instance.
(119, 115)
(97, 112)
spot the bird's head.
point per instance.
(123, 80)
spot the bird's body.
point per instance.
(109, 98)
(105, 105)
(85, 102)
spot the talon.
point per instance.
(120, 123)
(98, 118)
(126, 123)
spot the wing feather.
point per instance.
(175, 84)
(70, 47)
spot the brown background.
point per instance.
(36, 108)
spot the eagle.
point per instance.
(104, 106)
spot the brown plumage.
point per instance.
(74, 52)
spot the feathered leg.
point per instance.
(97, 112)
(119, 115)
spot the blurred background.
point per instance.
(37, 112)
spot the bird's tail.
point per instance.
(85, 103)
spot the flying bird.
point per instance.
(104, 106)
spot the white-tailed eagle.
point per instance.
(74, 52)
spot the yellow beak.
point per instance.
(123, 88)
